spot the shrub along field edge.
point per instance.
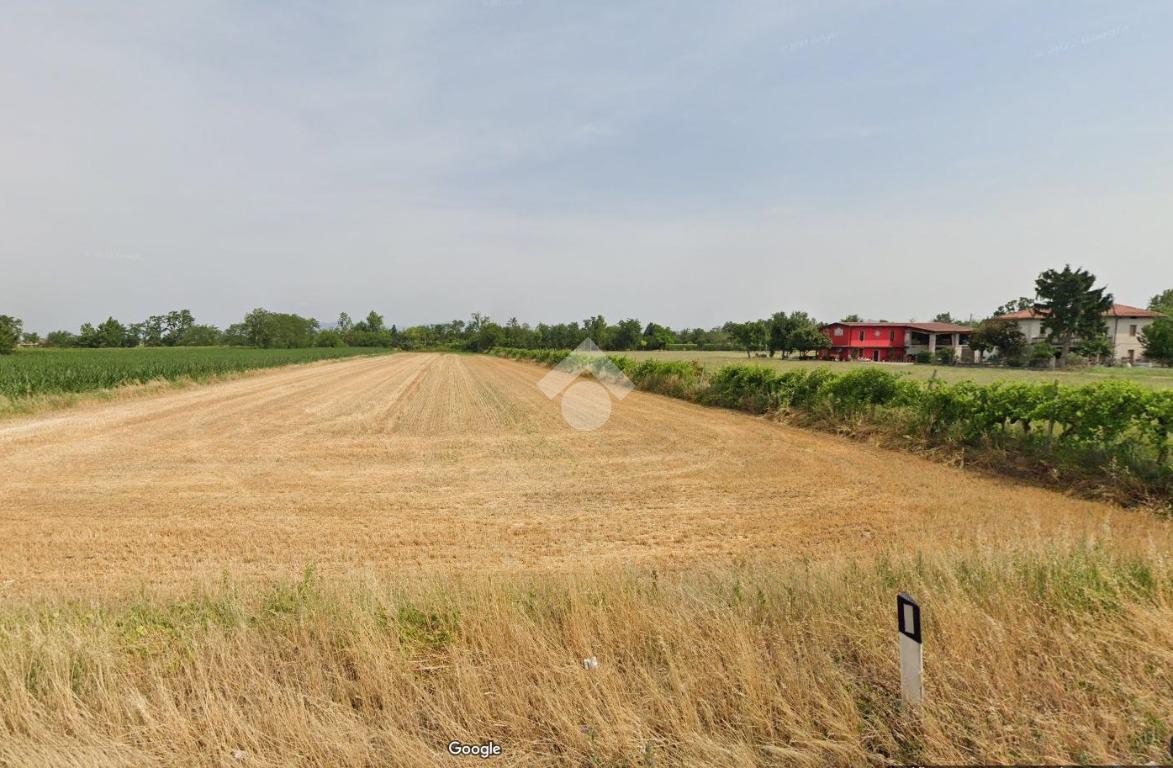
(1107, 440)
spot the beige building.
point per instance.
(1124, 325)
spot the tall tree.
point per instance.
(175, 325)
(779, 330)
(749, 336)
(1157, 340)
(1072, 305)
(980, 340)
(202, 336)
(808, 338)
(150, 331)
(783, 332)
(595, 329)
(1002, 335)
(273, 330)
(10, 328)
(1015, 305)
(109, 333)
(657, 336)
(944, 317)
(1163, 302)
(60, 339)
(625, 336)
(852, 318)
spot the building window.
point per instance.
(861, 335)
(877, 333)
(891, 335)
(838, 331)
(1132, 330)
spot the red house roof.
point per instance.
(927, 327)
(1117, 310)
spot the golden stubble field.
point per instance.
(422, 461)
(355, 563)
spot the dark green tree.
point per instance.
(783, 332)
(749, 336)
(809, 338)
(779, 330)
(60, 339)
(202, 336)
(10, 328)
(150, 331)
(1157, 340)
(595, 329)
(1163, 302)
(1015, 305)
(109, 333)
(657, 336)
(330, 338)
(275, 330)
(627, 335)
(235, 335)
(1001, 335)
(112, 333)
(1072, 305)
(1095, 347)
(175, 325)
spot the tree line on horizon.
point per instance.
(785, 333)
(1072, 306)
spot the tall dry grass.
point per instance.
(1054, 653)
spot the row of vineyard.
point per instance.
(1117, 431)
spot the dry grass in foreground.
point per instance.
(1052, 653)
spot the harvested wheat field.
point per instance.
(355, 563)
(457, 462)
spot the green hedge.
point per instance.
(1115, 424)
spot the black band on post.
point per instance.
(908, 616)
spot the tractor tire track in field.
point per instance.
(448, 462)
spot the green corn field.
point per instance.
(29, 373)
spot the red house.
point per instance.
(892, 342)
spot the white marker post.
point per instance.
(911, 650)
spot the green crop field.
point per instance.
(33, 372)
(1156, 378)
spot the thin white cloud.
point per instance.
(1081, 41)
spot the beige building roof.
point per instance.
(1117, 310)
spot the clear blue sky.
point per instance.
(681, 162)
